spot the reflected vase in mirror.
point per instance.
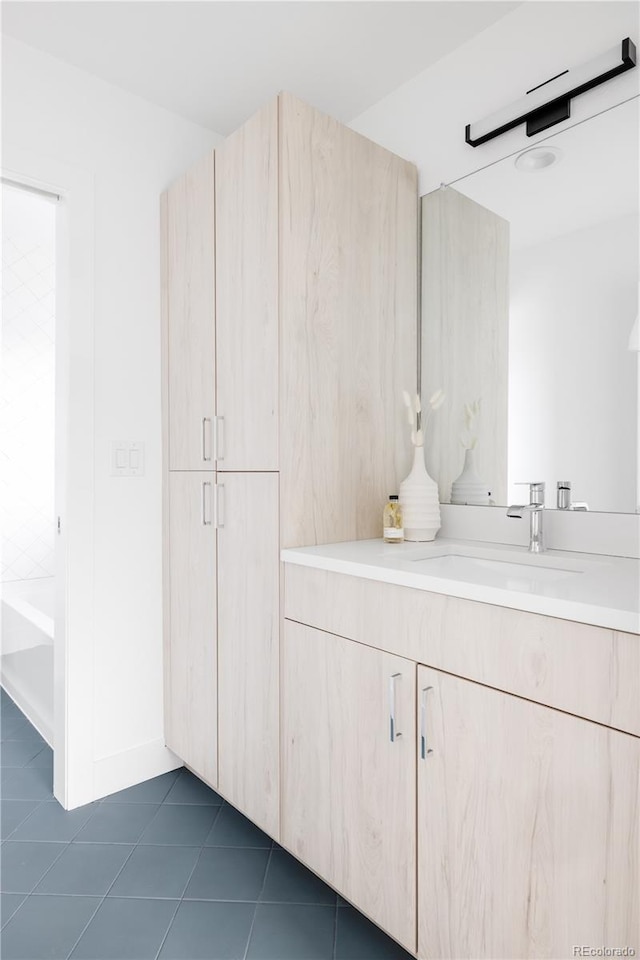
(419, 499)
(469, 488)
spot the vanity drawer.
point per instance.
(584, 670)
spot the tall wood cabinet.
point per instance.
(289, 332)
(246, 187)
(188, 214)
(248, 640)
(191, 714)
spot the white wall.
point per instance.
(572, 380)
(424, 119)
(131, 151)
(27, 388)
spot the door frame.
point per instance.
(73, 657)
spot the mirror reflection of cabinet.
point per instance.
(571, 203)
(465, 319)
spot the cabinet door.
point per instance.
(349, 791)
(190, 646)
(248, 644)
(527, 827)
(189, 291)
(247, 294)
(348, 284)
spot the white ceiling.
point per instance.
(217, 61)
(595, 180)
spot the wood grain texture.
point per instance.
(191, 316)
(527, 828)
(348, 231)
(247, 293)
(190, 650)
(465, 331)
(585, 670)
(348, 793)
(248, 647)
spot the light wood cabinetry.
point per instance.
(189, 293)
(348, 790)
(465, 334)
(247, 294)
(527, 827)
(289, 332)
(248, 645)
(588, 671)
(348, 263)
(485, 805)
(191, 714)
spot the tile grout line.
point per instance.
(52, 799)
(166, 933)
(134, 847)
(102, 900)
(164, 802)
(66, 847)
(28, 817)
(15, 910)
(201, 899)
(64, 844)
(199, 849)
(27, 763)
(335, 931)
(253, 921)
(181, 899)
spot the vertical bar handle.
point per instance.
(206, 436)
(394, 733)
(424, 750)
(219, 506)
(218, 439)
(206, 502)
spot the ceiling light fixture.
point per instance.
(549, 102)
(538, 158)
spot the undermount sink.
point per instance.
(515, 569)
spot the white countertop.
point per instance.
(588, 588)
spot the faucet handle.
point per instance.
(536, 490)
(563, 494)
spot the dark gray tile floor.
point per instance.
(164, 870)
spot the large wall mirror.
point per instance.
(530, 272)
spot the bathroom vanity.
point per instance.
(469, 770)
(447, 733)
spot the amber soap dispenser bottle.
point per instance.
(393, 528)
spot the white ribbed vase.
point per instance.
(419, 500)
(469, 488)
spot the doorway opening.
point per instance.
(28, 453)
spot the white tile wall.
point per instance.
(27, 388)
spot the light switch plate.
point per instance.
(127, 458)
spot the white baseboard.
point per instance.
(122, 770)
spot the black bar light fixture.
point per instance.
(550, 102)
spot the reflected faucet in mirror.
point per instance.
(535, 509)
(563, 497)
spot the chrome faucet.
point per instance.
(564, 501)
(535, 509)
